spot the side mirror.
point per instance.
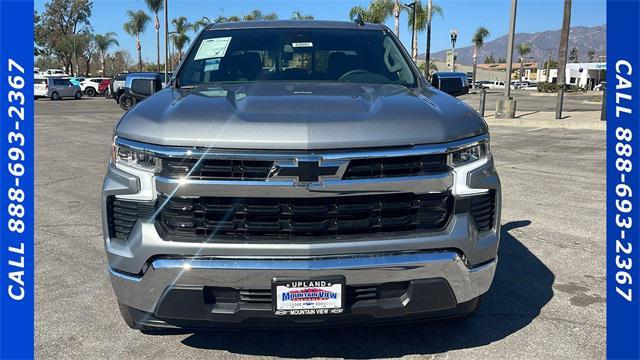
(145, 87)
(454, 86)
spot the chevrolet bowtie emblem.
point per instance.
(306, 171)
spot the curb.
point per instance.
(549, 124)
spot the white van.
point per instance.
(40, 87)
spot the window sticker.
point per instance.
(213, 48)
(211, 64)
(307, 44)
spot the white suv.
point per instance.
(89, 86)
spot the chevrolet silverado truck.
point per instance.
(299, 173)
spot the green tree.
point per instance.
(57, 27)
(257, 15)
(377, 12)
(297, 15)
(489, 59)
(524, 49)
(478, 42)
(86, 46)
(136, 25)
(180, 37)
(573, 55)
(103, 43)
(201, 23)
(591, 54)
(155, 6)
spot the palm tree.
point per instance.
(523, 49)
(562, 55)
(591, 54)
(478, 41)
(179, 41)
(377, 12)
(103, 43)
(155, 6)
(137, 24)
(297, 15)
(397, 9)
(431, 9)
(180, 37)
(256, 15)
(203, 22)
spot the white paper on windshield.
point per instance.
(213, 48)
(306, 44)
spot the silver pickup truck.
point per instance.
(299, 173)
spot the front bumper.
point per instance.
(171, 282)
(173, 291)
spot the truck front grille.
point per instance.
(258, 170)
(214, 169)
(396, 166)
(240, 219)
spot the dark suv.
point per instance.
(299, 173)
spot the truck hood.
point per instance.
(299, 116)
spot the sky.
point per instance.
(464, 15)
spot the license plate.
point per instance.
(322, 296)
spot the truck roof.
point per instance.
(307, 24)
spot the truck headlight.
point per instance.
(470, 154)
(135, 158)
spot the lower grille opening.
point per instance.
(123, 214)
(240, 219)
(482, 209)
(263, 297)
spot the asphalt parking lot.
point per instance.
(529, 101)
(547, 300)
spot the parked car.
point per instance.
(90, 85)
(139, 86)
(601, 87)
(454, 83)
(116, 87)
(76, 80)
(495, 85)
(258, 192)
(40, 87)
(103, 87)
(59, 88)
(55, 72)
(482, 84)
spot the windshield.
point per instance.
(249, 55)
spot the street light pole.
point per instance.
(454, 38)
(506, 107)
(166, 41)
(412, 6)
(512, 32)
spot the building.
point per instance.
(584, 75)
(530, 71)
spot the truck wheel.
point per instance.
(126, 102)
(78, 95)
(91, 92)
(55, 96)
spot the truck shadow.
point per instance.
(522, 286)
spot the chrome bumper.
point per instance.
(145, 292)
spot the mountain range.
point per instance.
(580, 37)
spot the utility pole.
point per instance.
(454, 38)
(427, 56)
(412, 6)
(562, 56)
(548, 65)
(166, 41)
(506, 107)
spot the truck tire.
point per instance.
(55, 96)
(126, 102)
(91, 92)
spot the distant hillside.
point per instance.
(583, 38)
